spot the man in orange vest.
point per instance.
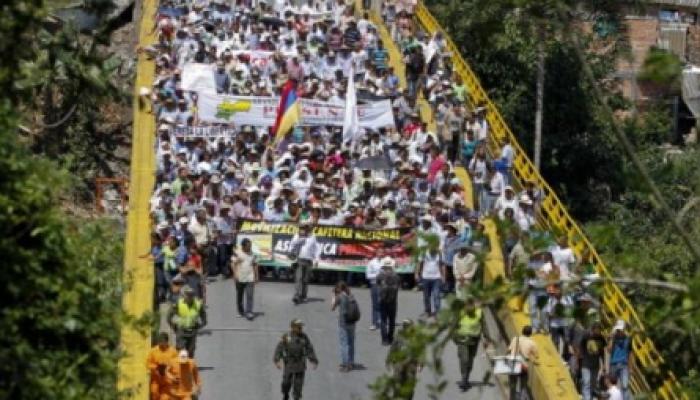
(184, 377)
(158, 360)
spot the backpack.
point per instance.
(389, 288)
(352, 312)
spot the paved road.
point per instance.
(235, 355)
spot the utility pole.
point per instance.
(539, 100)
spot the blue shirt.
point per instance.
(181, 255)
(449, 249)
(620, 350)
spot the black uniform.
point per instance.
(294, 350)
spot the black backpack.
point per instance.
(352, 312)
(389, 287)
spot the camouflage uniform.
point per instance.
(294, 349)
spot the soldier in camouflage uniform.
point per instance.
(405, 371)
(294, 349)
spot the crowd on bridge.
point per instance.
(402, 174)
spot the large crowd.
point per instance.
(312, 176)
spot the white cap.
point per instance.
(162, 225)
(388, 262)
(183, 356)
(619, 325)
(526, 199)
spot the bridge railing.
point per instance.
(555, 216)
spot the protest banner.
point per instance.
(204, 132)
(343, 248)
(261, 111)
(198, 77)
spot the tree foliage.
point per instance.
(662, 67)
(60, 273)
(70, 106)
(60, 279)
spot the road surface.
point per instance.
(235, 355)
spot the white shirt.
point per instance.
(431, 267)
(508, 154)
(310, 250)
(199, 231)
(502, 203)
(373, 268)
(244, 265)
(497, 184)
(565, 259)
(478, 170)
(614, 393)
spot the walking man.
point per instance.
(158, 360)
(306, 249)
(291, 354)
(467, 340)
(388, 283)
(431, 274)
(374, 266)
(619, 349)
(348, 315)
(186, 318)
(184, 375)
(592, 355)
(526, 348)
(405, 370)
(465, 266)
(245, 272)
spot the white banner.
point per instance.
(198, 78)
(204, 132)
(262, 111)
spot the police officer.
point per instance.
(467, 340)
(185, 318)
(294, 349)
(405, 371)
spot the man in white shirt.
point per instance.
(306, 251)
(564, 258)
(374, 266)
(508, 200)
(508, 156)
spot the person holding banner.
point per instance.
(306, 251)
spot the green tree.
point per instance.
(61, 273)
(65, 89)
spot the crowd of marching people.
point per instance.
(312, 175)
(561, 288)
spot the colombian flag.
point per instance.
(288, 112)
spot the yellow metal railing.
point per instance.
(137, 300)
(615, 305)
